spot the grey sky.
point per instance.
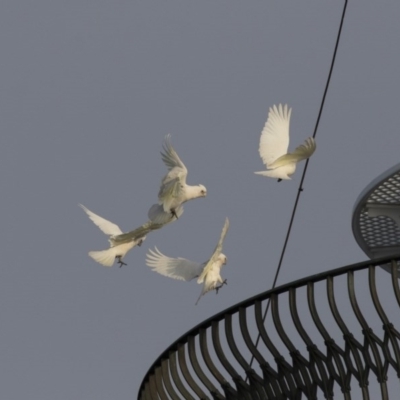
(89, 89)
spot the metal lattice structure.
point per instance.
(376, 216)
(331, 335)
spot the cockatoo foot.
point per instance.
(225, 282)
(173, 213)
(120, 262)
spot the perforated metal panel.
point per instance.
(376, 215)
(379, 231)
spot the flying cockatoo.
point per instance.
(274, 143)
(173, 191)
(207, 273)
(120, 243)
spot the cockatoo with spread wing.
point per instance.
(207, 273)
(173, 191)
(274, 143)
(121, 243)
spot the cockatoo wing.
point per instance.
(170, 157)
(176, 268)
(136, 234)
(216, 253)
(169, 191)
(158, 216)
(274, 140)
(301, 152)
(172, 183)
(106, 226)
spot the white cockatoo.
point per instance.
(120, 242)
(207, 273)
(274, 143)
(173, 191)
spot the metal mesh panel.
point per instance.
(376, 215)
(388, 191)
(379, 231)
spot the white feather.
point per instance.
(106, 226)
(213, 276)
(176, 268)
(274, 142)
(157, 214)
(207, 273)
(173, 190)
(301, 152)
(216, 253)
(120, 243)
(107, 257)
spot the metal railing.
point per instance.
(330, 333)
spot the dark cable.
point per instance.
(300, 189)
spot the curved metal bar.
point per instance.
(232, 345)
(347, 336)
(241, 385)
(160, 387)
(382, 372)
(207, 359)
(353, 300)
(314, 313)
(147, 392)
(390, 332)
(167, 380)
(186, 374)
(285, 370)
(395, 281)
(274, 378)
(352, 347)
(334, 358)
(300, 364)
(263, 333)
(296, 319)
(144, 394)
(220, 354)
(390, 336)
(278, 324)
(262, 389)
(370, 338)
(374, 295)
(333, 306)
(317, 359)
(196, 366)
(153, 388)
(175, 377)
(246, 336)
(235, 351)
